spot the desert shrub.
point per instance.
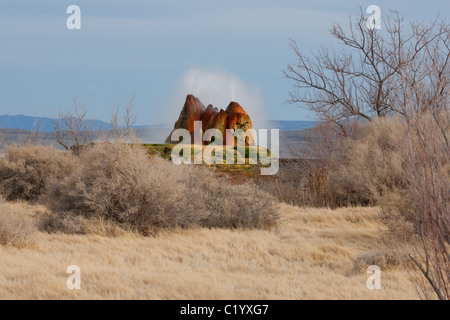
(16, 225)
(369, 166)
(118, 182)
(76, 224)
(230, 206)
(363, 168)
(426, 199)
(303, 179)
(300, 182)
(405, 167)
(25, 170)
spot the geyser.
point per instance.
(233, 117)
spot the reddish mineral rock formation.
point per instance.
(192, 111)
(208, 118)
(237, 118)
(234, 117)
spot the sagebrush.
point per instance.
(118, 182)
(25, 170)
(369, 167)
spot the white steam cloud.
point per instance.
(219, 89)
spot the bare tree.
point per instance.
(4, 136)
(3, 140)
(423, 99)
(402, 70)
(425, 105)
(73, 127)
(361, 80)
(122, 129)
(35, 135)
(427, 169)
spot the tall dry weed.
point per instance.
(17, 227)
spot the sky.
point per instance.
(157, 51)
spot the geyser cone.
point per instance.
(234, 117)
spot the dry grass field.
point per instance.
(310, 254)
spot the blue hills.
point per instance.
(41, 124)
(44, 124)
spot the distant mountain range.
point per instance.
(41, 123)
(291, 125)
(44, 124)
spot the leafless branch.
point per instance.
(365, 79)
(73, 127)
(122, 129)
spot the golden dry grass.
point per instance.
(17, 227)
(310, 255)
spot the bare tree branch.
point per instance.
(364, 79)
(73, 127)
(122, 129)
